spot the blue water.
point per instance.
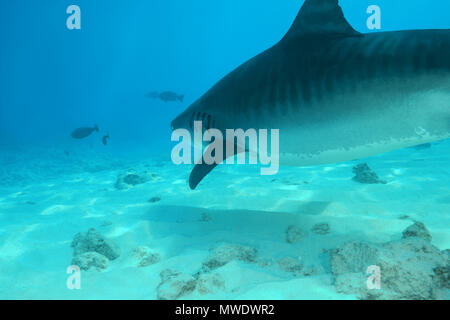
(53, 80)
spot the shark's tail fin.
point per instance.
(181, 97)
(96, 127)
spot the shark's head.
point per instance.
(182, 121)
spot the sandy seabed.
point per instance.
(48, 196)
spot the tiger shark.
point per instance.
(334, 94)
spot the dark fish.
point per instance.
(105, 139)
(84, 132)
(166, 96)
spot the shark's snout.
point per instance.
(179, 122)
(172, 124)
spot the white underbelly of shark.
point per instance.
(382, 120)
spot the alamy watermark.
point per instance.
(223, 149)
(74, 20)
(374, 280)
(74, 280)
(374, 21)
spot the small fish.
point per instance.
(166, 96)
(84, 132)
(105, 139)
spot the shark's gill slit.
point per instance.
(209, 122)
(191, 121)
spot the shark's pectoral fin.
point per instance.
(202, 169)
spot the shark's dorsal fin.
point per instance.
(321, 17)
